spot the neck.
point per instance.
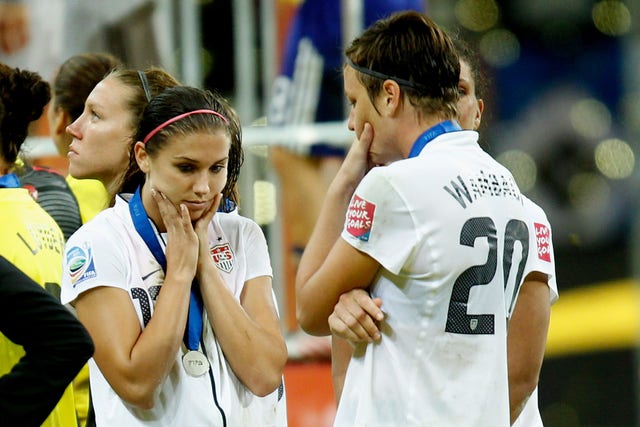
(151, 207)
(420, 126)
(112, 184)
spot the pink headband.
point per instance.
(180, 117)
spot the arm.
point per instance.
(341, 352)
(136, 361)
(329, 265)
(353, 320)
(526, 340)
(248, 330)
(55, 343)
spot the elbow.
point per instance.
(262, 385)
(522, 385)
(269, 377)
(266, 386)
(310, 320)
(140, 396)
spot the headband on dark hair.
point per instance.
(145, 85)
(180, 117)
(382, 76)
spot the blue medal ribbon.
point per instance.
(142, 224)
(431, 134)
(9, 180)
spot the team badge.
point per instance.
(360, 218)
(80, 264)
(543, 241)
(223, 257)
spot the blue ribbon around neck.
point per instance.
(431, 134)
(9, 180)
(142, 223)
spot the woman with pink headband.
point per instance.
(176, 295)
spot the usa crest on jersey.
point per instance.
(222, 255)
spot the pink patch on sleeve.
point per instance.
(543, 241)
(360, 218)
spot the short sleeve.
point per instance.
(379, 222)
(94, 256)
(257, 253)
(541, 255)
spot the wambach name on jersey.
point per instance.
(469, 189)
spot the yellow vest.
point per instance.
(91, 195)
(33, 242)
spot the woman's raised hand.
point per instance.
(182, 241)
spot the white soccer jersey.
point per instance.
(437, 224)
(109, 252)
(541, 259)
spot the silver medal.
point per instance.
(195, 363)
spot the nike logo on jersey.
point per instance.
(146, 276)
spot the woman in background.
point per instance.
(29, 238)
(74, 81)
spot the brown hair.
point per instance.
(77, 77)
(183, 99)
(23, 96)
(156, 81)
(410, 48)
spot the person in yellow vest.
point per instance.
(29, 237)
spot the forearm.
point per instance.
(526, 341)
(254, 348)
(135, 360)
(154, 353)
(341, 351)
(313, 303)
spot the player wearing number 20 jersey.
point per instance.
(449, 231)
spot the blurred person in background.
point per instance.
(31, 239)
(163, 257)
(39, 35)
(55, 346)
(309, 90)
(14, 26)
(353, 319)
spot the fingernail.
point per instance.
(376, 336)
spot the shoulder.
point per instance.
(233, 220)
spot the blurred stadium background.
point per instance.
(562, 112)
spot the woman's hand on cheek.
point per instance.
(202, 225)
(357, 162)
(182, 240)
